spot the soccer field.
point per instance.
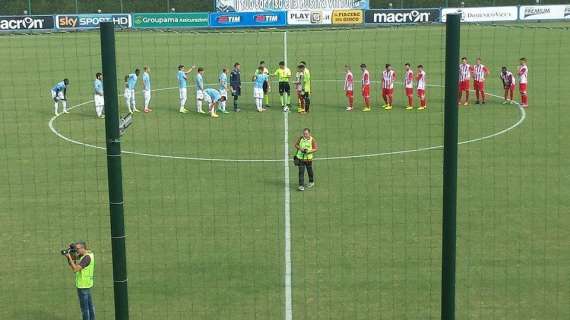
(207, 201)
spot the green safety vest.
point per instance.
(307, 81)
(305, 144)
(84, 278)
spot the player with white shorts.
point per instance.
(58, 94)
(259, 79)
(199, 81)
(223, 88)
(146, 89)
(98, 97)
(131, 80)
(182, 77)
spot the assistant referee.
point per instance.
(283, 75)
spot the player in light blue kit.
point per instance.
(59, 93)
(130, 90)
(182, 78)
(258, 81)
(199, 89)
(223, 82)
(213, 97)
(98, 97)
(146, 89)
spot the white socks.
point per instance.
(64, 105)
(99, 111)
(259, 104)
(199, 106)
(55, 107)
(223, 106)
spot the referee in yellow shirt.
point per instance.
(283, 75)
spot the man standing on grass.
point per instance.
(421, 87)
(59, 93)
(388, 78)
(266, 86)
(283, 75)
(199, 89)
(258, 84)
(299, 90)
(306, 93)
(146, 88)
(182, 78)
(130, 92)
(509, 82)
(365, 87)
(235, 85)
(409, 85)
(480, 71)
(465, 71)
(349, 86)
(523, 80)
(223, 82)
(98, 96)
(83, 265)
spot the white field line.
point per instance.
(287, 205)
(522, 118)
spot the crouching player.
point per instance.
(213, 97)
(421, 79)
(508, 84)
(59, 93)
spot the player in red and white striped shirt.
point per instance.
(388, 79)
(465, 71)
(421, 79)
(365, 87)
(523, 80)
(480, 71)
(508, 84)
(349, 86)
(409, 85)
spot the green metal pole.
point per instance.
(114, 171)
(450, 167)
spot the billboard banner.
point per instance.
(482, 14)
(347, 17)
(170, 20)
(287, 5)
(308, 17)
(248, 19)
(89, 21)
(20, 23)
(401, 16)
(554, 12)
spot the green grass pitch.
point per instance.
(205, 239)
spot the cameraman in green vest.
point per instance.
(306, 146)
(83, 264)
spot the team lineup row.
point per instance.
(216, 99)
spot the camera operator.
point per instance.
(306, 146)
(82, 263)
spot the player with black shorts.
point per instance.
(235, 85)
(283, 75)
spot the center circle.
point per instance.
(340, 157)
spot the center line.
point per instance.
(287, 205)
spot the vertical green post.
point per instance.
(114, 171)
(450, 167)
